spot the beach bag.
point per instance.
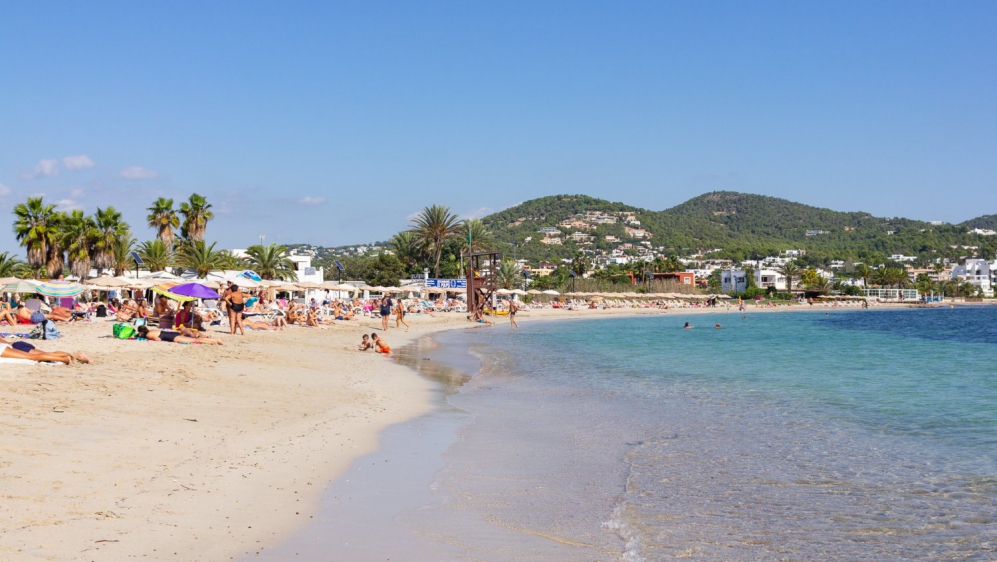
(123, 331)
(101, 311)
(45, 330)
(36, 318)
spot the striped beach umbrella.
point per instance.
(20, 287)
(60, 289)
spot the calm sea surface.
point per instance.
(865, 435)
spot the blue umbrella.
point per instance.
(252, 275)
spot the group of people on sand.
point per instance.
(19, 313)
(374, 342)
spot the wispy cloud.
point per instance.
(67, 205)
(312, 200)
(45, 168)
(139, 173)
(4, 190)
(80, 162)
(478, 213)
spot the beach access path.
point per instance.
(184, 452)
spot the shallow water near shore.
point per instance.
(851, 436)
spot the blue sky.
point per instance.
(333, 123)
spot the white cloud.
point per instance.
(312, 200)
(76, 193)
(78, 162)
(139, 173)
(45, 168)
(478, 213)
(4, 190)
(67, 205)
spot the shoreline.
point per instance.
(173, 452)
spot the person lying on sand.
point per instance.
(24, 350)
(172, 337)
(7, 313)
(276, 325)
(379, 345)
(366, 343)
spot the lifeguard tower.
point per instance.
(481, 280)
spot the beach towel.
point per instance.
(123, 331)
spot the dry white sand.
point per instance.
(192, 452)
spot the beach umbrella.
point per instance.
(108, 282)
(8, 280)
(60, 289)
(251, 275)
(309, 285)
(534, 292)
(165, 289)
(550, 292)
(195, 290)
(518, 292)
(503, 292)
(20, 287)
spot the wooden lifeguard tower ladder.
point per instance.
(481, 279)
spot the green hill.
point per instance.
(741, 224)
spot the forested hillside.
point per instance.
(740, 224)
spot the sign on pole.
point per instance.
(446, 283)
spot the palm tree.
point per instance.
(164, 219)
(203, 259)
(862, 272)
(270, 262)
(196, 214)
(791, 270)
(406, 248)
(156, 255)
(55, 255)
(580, 264)
(10, 266)
(121, 253)
(474, 235)
(33, 228)
(508, 274)
(432, 228)
(110, 229)
(79, 234)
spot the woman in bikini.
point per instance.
(236, 304)
(171, 337)
(400, 315)
(24, 350)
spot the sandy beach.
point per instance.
(177, 452)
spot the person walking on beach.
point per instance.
(236, 304)
(513, 309)
(385, 311)
(400, 315)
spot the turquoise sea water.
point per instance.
(799, 436)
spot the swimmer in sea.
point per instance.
(718, 326)
(688, 326)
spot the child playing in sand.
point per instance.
(379, 345)
(366, 343)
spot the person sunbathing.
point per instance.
(260, 325)
(379, 345)
(24, 350)
(127, 312)
(293, 317)
(7, 314)
(171, 337)
(312, 319)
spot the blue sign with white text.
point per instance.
(446, 283)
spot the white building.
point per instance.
(979, 272)
(983, 232)
(733, 281)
